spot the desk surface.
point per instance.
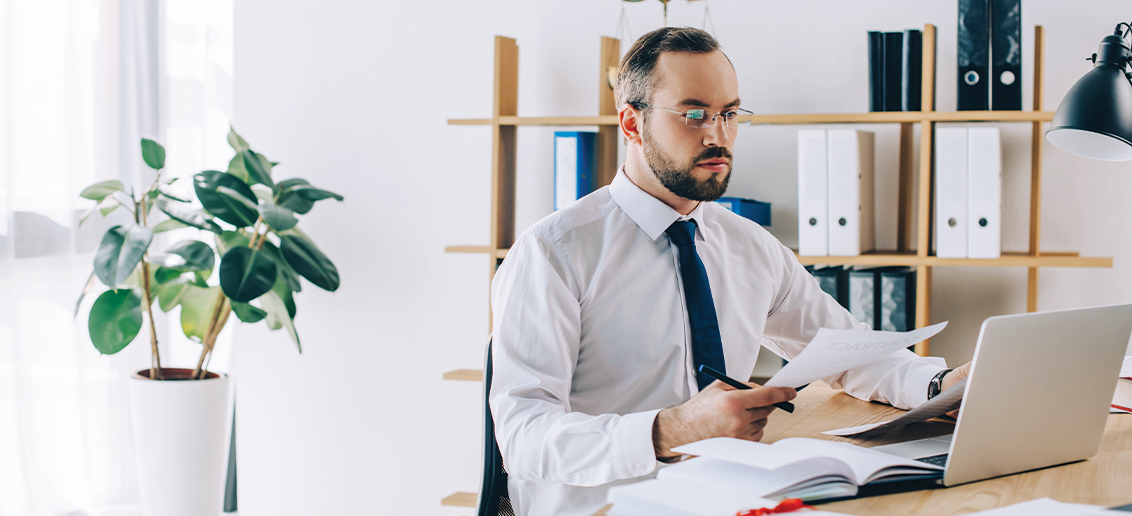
(1103, 480)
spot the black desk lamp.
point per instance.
(1094, 119)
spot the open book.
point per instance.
(809, 469)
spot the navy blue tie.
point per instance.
(707, 347)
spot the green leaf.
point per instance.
(115, 319)
(153, 154)
(120, 251)
(100, 191)
(295, 202)
(286, 274)
(201, 278)
(238, 197)
(278, 217)
(230, 239)
(290, 183)
(187, 217)
(287, 296)
(236, 168)
(247, 312)
(170, 294)
(169, 192)
(246, 274)
(277, 316)
(259, 169)
(197, 305)
(164, 274)
(308, 261)
(222, 206)
(108, 209)
(315, 194)
(169, 225)
(197, 255)
(238, 144)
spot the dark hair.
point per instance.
(636, 79)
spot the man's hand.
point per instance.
(717, 411)
(952, 378)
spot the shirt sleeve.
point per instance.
(535, 342)
(801, 307)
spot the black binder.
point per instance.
(897, 299)
(912, 77)
(973, 56)
(1006, 54)
(834, 281)
(876, 71)
(893, 50)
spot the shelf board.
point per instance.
(460, 500)
(795, 118)
(1007, 260)
(471, 375)
(499, 253)
(889, 258)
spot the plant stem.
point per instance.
(155, 356)
(221, 301)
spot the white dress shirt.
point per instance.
(591, 338)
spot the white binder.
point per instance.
(951, 192)
(813, 203)
(852, 230)
(984, 187)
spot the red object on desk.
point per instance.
(787, 505)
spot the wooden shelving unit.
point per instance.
(915, 204)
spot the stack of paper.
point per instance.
(1122, 398)
(1126, 368)
(675, 498)
(1045, 507)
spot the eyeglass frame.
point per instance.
(704, 124)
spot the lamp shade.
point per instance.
(1094, 119)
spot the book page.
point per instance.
(748, 453)
(943, 403)
(773, 484)
(833, 352)
(864, 462)
(1126, 368)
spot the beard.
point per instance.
(677, 177)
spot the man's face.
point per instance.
(691, 162)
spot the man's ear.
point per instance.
(629, 119)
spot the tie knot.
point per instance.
(682, 232)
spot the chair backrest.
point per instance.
(493, 499)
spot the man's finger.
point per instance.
(760, 413)
(767, 396)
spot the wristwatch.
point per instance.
(936, 385)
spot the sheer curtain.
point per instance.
(80, 82)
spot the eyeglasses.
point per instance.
(699, 117)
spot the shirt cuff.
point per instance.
(916, 384)
(632, 443)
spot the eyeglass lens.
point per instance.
(699, 118)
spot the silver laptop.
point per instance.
(1038, 394)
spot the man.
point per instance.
(604, 310)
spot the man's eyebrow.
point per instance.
(702, 104)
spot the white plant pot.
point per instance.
(180, 437)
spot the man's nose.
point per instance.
(717, 135)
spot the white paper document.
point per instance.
(945, 402)
(833, 352)
(1043, 507)
(1126, 368)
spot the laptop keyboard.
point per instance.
(938, 460)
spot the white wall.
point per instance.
(361, 422)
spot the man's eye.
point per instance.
(730, 115)
(695, 114)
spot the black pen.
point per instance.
(785, 405)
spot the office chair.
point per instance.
(493, 499)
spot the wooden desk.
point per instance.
(1103, 480)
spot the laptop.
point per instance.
(1038, 394)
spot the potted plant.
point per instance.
(179, 414)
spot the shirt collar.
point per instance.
(649, 213)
